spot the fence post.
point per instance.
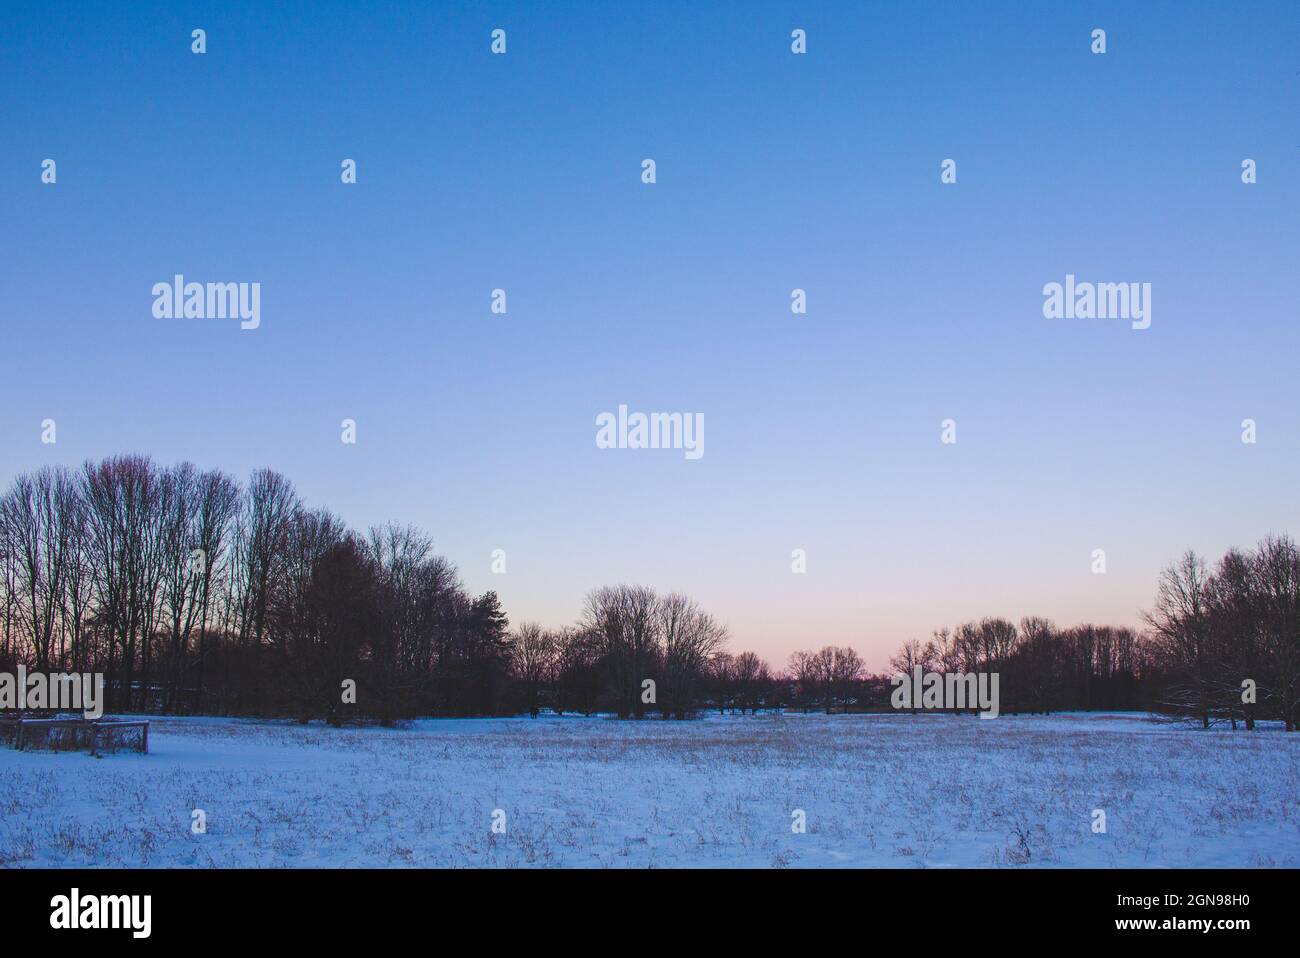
(146, 738)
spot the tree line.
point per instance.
(193, 592)
(1222, 644)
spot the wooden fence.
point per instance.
(69, 735)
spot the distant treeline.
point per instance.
(1221, 644)
(193, 592)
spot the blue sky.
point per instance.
(775, 171)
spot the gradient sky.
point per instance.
(775, 171)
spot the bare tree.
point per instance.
(825, 666)
(123, 500)
(803, 669)
(263, 526)
(846, 672)
(41, 529)
(624, 620)
(217, 500)
(577, 670)
(722, 675)
(913, 654)
(1181, 623)
(535, 651)
(181, 573)
(689, 637)
(751, 678)
(1276, 568)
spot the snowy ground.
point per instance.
(925, 791)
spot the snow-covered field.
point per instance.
(923, 791)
